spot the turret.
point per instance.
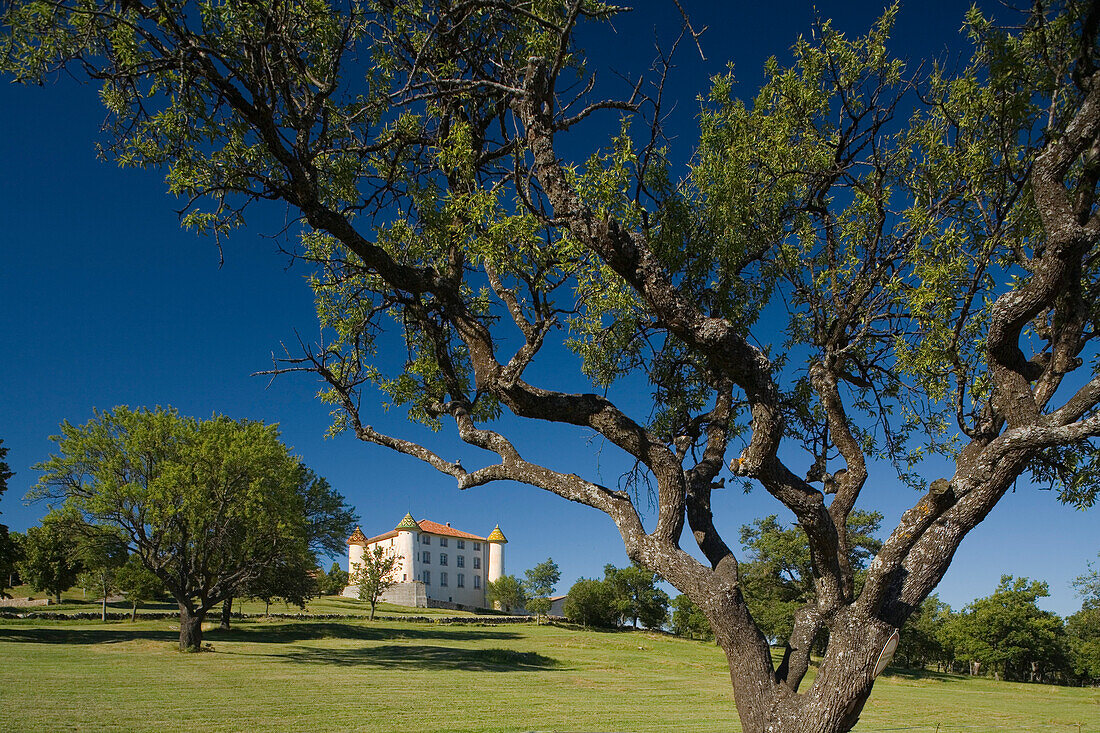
(357, 543)
(497, 541)
(405, 547)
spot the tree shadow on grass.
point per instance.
(415, 656)
(63, 635)
(282, 633)
(906, 673)
(265, 633)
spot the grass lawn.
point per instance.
(270, 675)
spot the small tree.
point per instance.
(1006, 631)
(102, 552)
(591, 603)
(538, 585)
(689, 620)
(8, 551)
(506, 592)
(374, 575)
(1083, 629)
(137, 583)
(637, 596)
(334, 581)
(51, 562)
(206, 504)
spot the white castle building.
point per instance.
(435, 563)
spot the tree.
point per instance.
(927, 231)
(7, 546)
(102, 552)
(206, 504)
(1009, 634)
(11, 557)
(375, 574)
(689, 620)
(591, 603)
(334, 581)
(137, 583)
(538, 586)
(779, 578)
(506, 593)
(329, 520)
(924, 639)
(636, 595)
(1083, 628)
(51, 562)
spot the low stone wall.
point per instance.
(24, 602)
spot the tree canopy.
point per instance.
(208, 505)
(922, 238)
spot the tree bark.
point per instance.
(190, 629)
(133, 613)
(227, 611)
(103, 609)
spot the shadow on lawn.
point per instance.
(259, 634)
(414, 656)
(83, 636)
(305, 630)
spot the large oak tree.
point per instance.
(922, 238)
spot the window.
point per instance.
(427, 558)
(442, 558)
(427, 577)
(442, 541)
(477, 581)
(462, 544)
(426, 539)
(442, 580)
(404, 576)
(477, 547)
(477, 563)
(460, 561)
(461, 582)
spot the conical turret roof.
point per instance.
(497, 536)
(408, 523)
(357, 538)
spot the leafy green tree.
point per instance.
(506, 593)
(1083, 628)
(375, 574)
(636, 595)
(921, 240)
(689, 620)
(591, 603)
(11, 556)
(538, 586)
(329, 520)
(334, 581)
(102, 552)
(1009, 634)
(51, 561)
(8, 551)
(206, 504)
(924, 638)
(540, 580)
(137, 583)
(779, 577)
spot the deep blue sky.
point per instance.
(105, 301)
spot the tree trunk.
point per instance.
(372, 610)
(133, 613)
(103, 609)
(834, 701)
(227, 611)
(190, 629)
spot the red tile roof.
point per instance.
(430, 527)
(427, 525)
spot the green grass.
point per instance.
(270, 675)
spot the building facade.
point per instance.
(436, 562)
